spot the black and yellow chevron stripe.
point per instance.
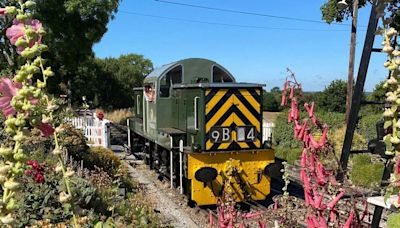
(232, 107)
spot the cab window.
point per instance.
(220, 75)
(174, 76)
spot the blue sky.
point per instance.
(258, 55)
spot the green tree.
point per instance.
(333, 98)
(72, 26)
(270, 103)
(331, 12)
(378, 94)
(122, 75)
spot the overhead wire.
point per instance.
(249, 13)
(230, 24)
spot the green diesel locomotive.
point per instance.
(197, 126)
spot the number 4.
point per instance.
(250, 134)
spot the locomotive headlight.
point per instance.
(241, 133)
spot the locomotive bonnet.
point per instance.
(198, 127)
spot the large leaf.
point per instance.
(387, 124)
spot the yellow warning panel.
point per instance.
(242, 173)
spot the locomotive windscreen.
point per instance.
(233, 118)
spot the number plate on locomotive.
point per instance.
(246, 134)
(220, 134)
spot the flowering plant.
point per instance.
(26, 105)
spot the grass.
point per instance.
(288, 154)
(364, 172)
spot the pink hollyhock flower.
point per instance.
(8, 90)
(17, 30)
(3, 11)
(46, 129)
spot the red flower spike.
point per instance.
(321, 180)
(310, 222)
(315, 221)
(294, 111)
(313, 143)
(302, 130)
(322, 140)
(335, 200)
(332, 215)
(349, 220)
(322, 221)
(261, 224)
(291, 92)
(289, 117)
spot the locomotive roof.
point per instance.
(192, 68)
(218, 85)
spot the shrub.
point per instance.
(40, 201)
(119, 116)
(364, 172)
(367, 125)
(283, 132)
(74, 141)
(359, 142)
(102, 158)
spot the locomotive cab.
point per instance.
(203, 130)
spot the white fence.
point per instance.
(97, 132)
(267, 131)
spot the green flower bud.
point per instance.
(40, 84)
(36, 62)
(19, 137)
(19, 157)
(11, 10)
(36, 93)
(10, 121)
(5, 152)
(30, 4)
(27, 53)
(29, 32)
(34, 121)
(57, 151)
(392, 67)
(11, 185)
(21, 42)
(2, 180)
(7, 220)
(48, 72)
(12, 205)
(20, 123)
(27, 107)
(4, 169)
(21, 17)
(10, 131)
(43, 48)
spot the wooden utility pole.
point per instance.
(351, 59)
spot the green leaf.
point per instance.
(389, 192)
(98, 225)
(387, 124)
(394, 108)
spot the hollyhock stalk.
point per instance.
(25, 105)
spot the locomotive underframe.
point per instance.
(242, 170)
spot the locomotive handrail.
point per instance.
(196, 127)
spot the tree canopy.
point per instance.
(333, 97)
(332, 13)
(72, 26)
